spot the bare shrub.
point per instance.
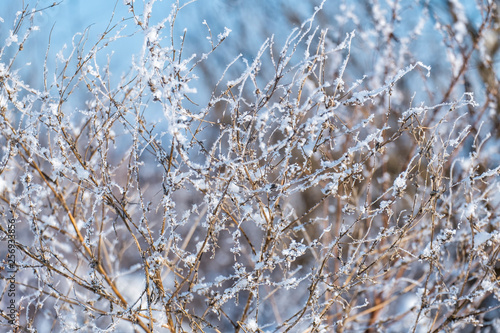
(343, 180)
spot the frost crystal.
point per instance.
(11, 39)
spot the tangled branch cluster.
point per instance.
(301, 197)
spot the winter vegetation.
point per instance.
(251, 166)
